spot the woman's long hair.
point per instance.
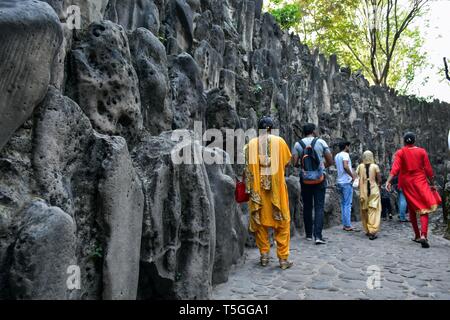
(368, 159)
(367, 165)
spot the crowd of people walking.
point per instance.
(267, 157)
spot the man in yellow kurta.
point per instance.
(266, 158)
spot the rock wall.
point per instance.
(86, 127)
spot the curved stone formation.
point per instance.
(91, 10)
(150, 62)
(295, 205)
(179, 26)
(120, 192)
(103, 81)
(42, 254)
(446, 199)
(188, 99)
(134, 14)
(30, 34)
(230, 230)
(179, 230)
(91, 176)
(219, 113)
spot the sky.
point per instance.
(436, 30)
(437, 44)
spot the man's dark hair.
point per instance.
(265, 123)
(309, 129)
(409, 138)
(343, 144)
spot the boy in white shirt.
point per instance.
(344, 182)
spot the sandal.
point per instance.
(264, 260)
(416, 240)
(285, 264)
(424, 243)
(373, 236)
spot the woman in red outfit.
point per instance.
(413, 167)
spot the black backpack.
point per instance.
(312, 172)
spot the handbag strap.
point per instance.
(243, 177)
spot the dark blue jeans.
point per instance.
(313, 196)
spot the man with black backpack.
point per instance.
(312, 155)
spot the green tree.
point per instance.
(287, 16)
(377, 37)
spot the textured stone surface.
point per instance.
(219, 113)
(103, 81)
(188, 100)
(91, 10)
(230, 229)
(150, 62)
(134, 14)
(107, 206)
(178, 26)
(30, 35)
(120, 191)
(42, 254)
(91, 176)
(178, 237)
(295, 205)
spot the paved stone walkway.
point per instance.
(338, 270)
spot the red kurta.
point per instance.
(413, 167)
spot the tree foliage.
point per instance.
(377, 37)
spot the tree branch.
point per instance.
(418, 5)
(388, 25)
(373, 38)
(357, 58)
(447, 75)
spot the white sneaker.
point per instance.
(309, 239)
(320, 241)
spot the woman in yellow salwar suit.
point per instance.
(369, 194)
(266, 157)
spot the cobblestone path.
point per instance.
(339, 269)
